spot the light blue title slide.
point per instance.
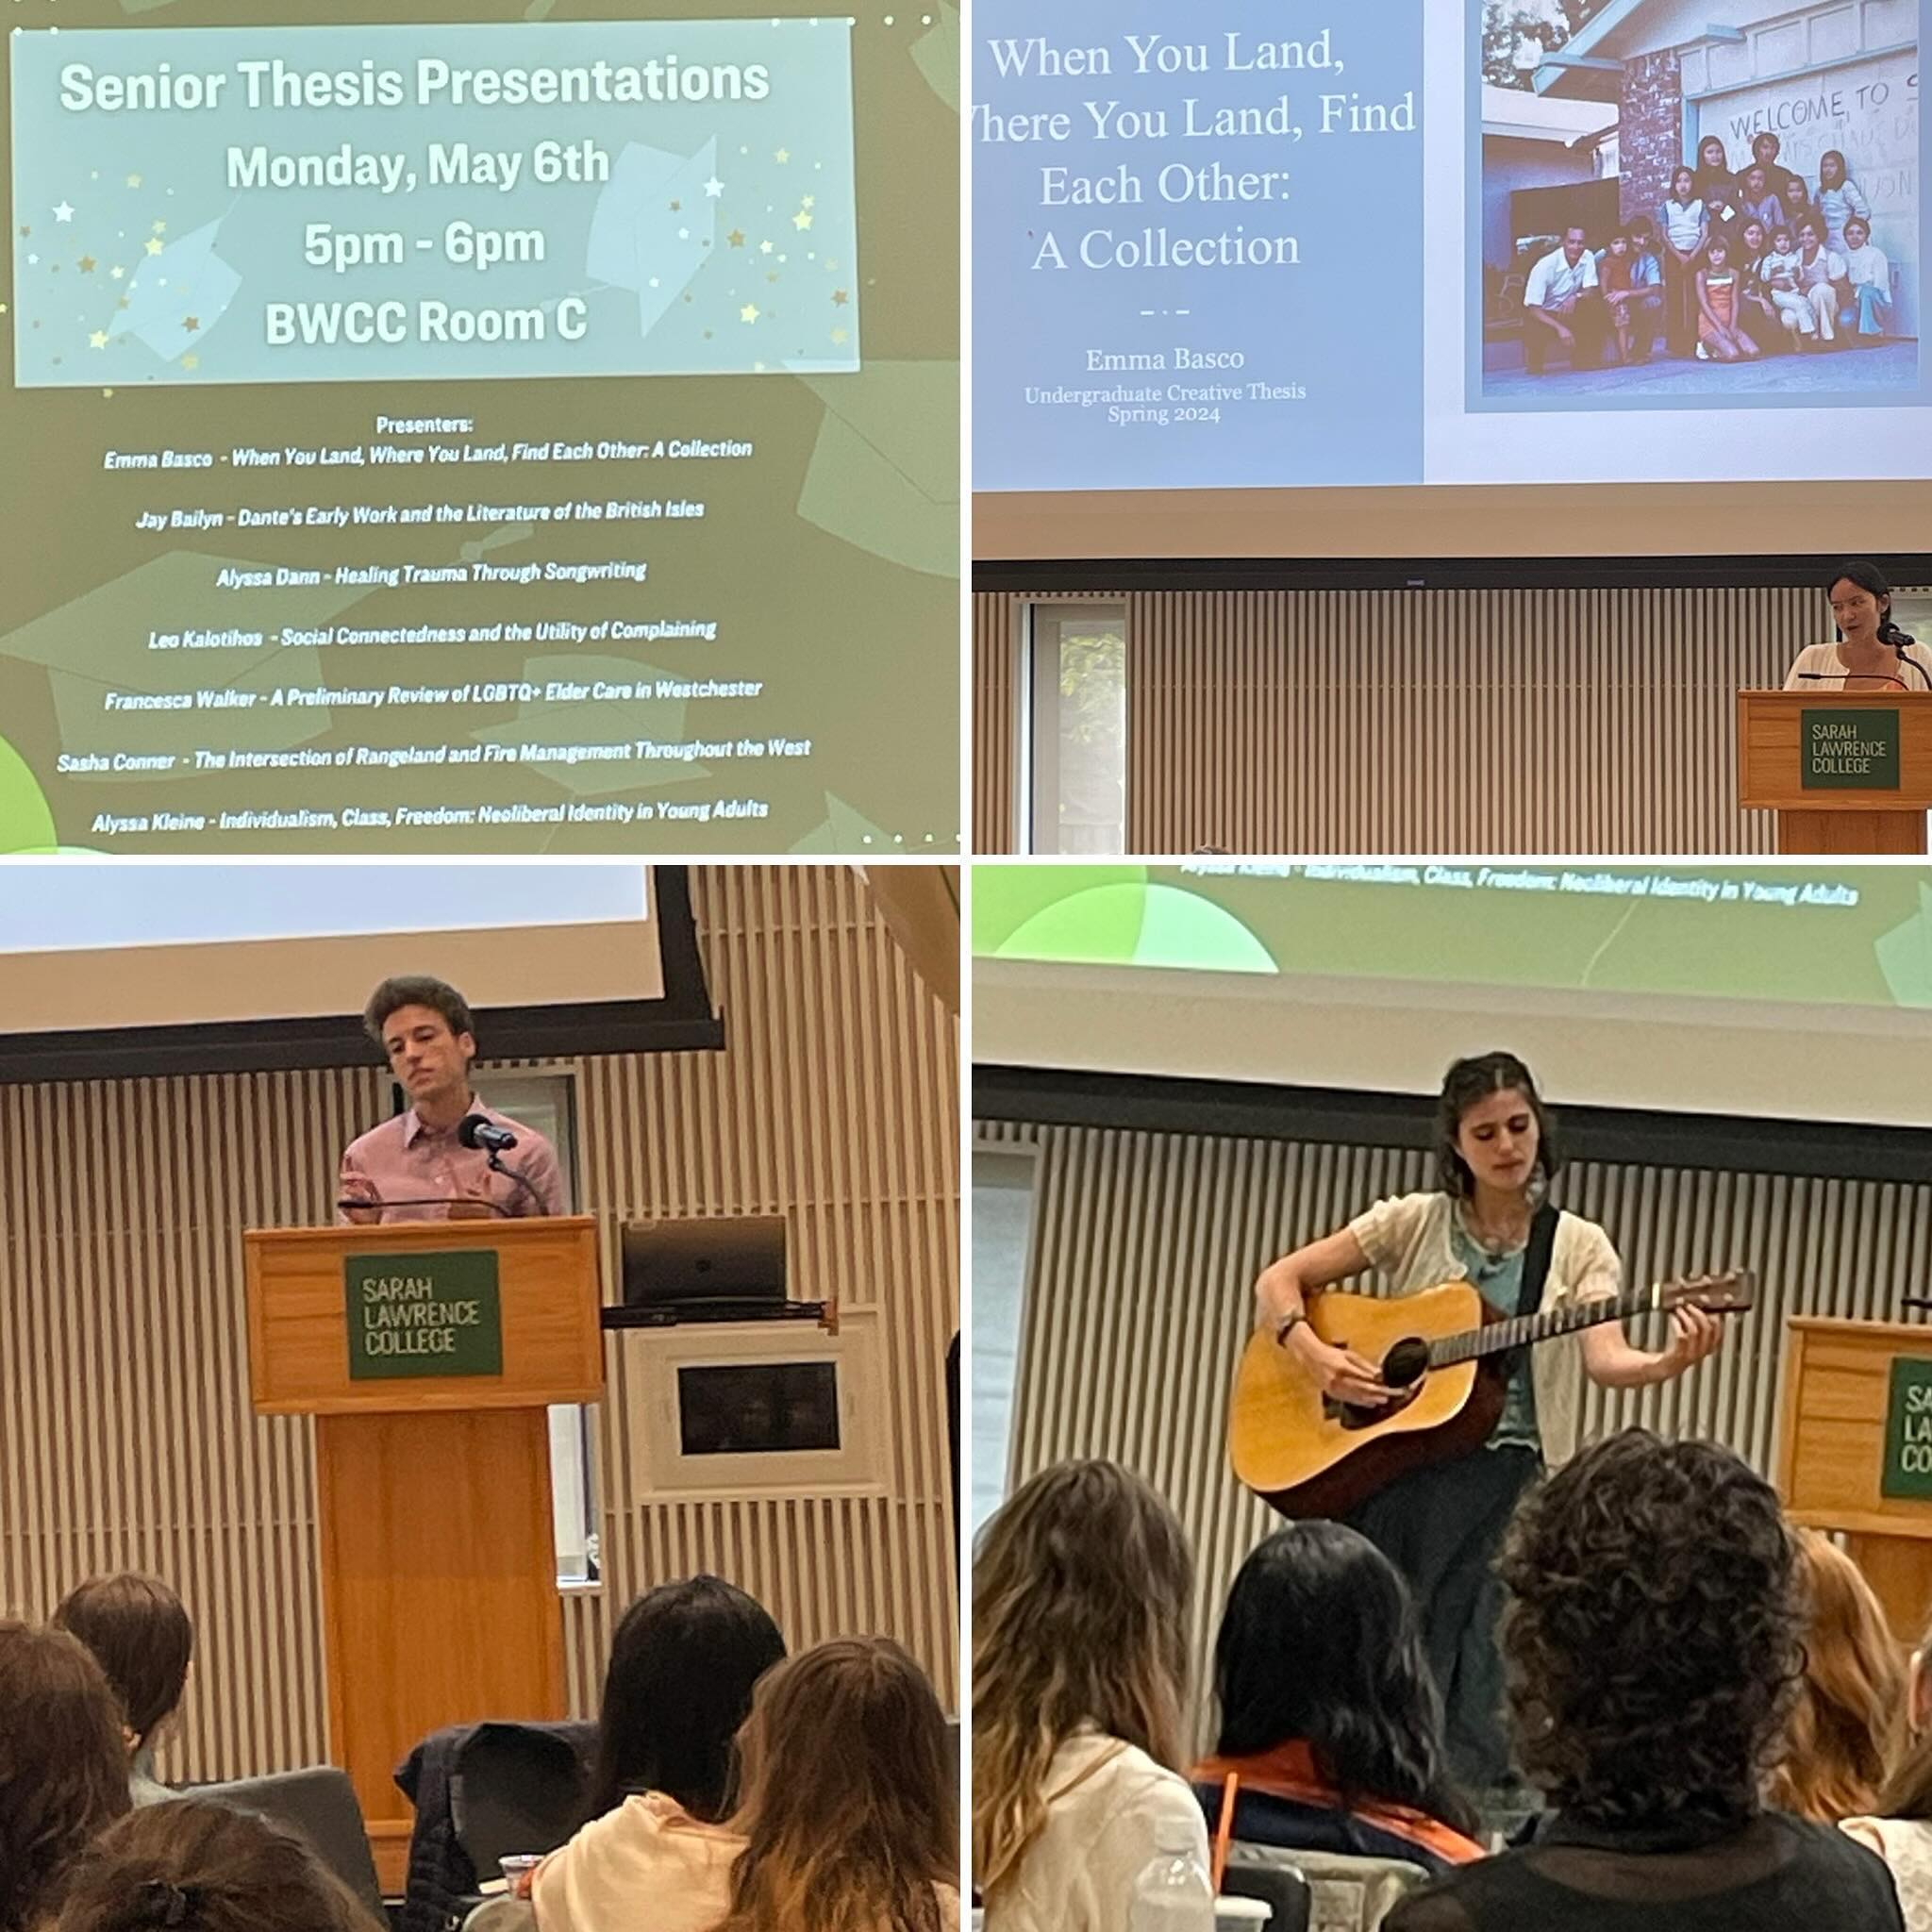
(375, 204)
(1197, 244)
(76, 907)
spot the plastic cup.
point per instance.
(517, 1869)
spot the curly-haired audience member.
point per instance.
(851, 1810)
(63, 1764)
(1329, 1717)
(1850, 1723)
(140, 1633)
(1900, 1834)
(1653, 1634)
(683, 1665)
(1080, 1593)
(195, 1866)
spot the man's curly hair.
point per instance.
(1654, 1633)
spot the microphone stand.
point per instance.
(499, 1165)
(348, 1206)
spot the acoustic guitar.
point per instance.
(1443, 1350)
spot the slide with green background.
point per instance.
(1825, 934)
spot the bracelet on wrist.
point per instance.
(1286, 1326)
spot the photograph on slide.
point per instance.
(1669, 207)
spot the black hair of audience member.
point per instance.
(192, 1865)
(1653, 1633)
(63, 1764)
(683, 1663)
(140, 1634)
(1319, 1643)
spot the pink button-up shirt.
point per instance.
(412, 1171)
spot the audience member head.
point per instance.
(850, 1809)
(1081, 1586)
(1850, 1718)
(678, 1685)
(139, 1634)
(63, 1764)
(195, 1866)
(1492, 1128)
(1652, 1634)
(1319, 1643)
(1908, 1791)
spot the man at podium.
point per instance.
(446, 1154)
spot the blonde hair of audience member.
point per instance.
(1080, 1592)
(192, 1865)
(850, 1813)
(1849, 1722)
(64, 1763)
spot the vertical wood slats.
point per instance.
(1492, 721)
(1146, 1246)
(126, 1436)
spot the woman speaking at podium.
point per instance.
(1443, 1524)
(1872, 654)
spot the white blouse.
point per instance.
(1819, 667)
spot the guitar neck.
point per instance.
(1521, 1331)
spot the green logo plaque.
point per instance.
(1909, 1430)
(1849, 751)
(424, 1314)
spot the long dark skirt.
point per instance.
(1443, 1528)
(1680, 305)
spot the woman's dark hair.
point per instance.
(192, 1865)
(1653, 1634)
(1869, 578)
(682, 1666)
(63, 1764)
(140, 1633)
(1320, 1642)
(1469, 1081)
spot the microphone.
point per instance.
(473, 1130)
(1889, 633)
(1839, 677)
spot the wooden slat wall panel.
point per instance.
(1146, 1247)
(1437, 721)
(996, 722)
(125, 1436)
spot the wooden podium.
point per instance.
(1837, 815)
(1837, 1452)
(439, 1568)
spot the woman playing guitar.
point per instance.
(1442, 1524)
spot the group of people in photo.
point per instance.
(1733, 265)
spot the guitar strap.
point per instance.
(1536, 1259)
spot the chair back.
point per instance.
(1278, 1886)
(1345, 1894)
(518, 1788)
(319, 1805)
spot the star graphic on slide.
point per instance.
(154, 246)
(87, 264)
(764, 248)
(839, 335)
(134, 180)
(24, 233)
(748, 313)
(801, 221)
(715, 187)
(190, 322)
(117, 273)
(160, 227)
(840, 298)
(783, 155)
(736, 237)
(64, 213)
(809, 201)
(98, 340)
(677, 206)
(191, 361)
